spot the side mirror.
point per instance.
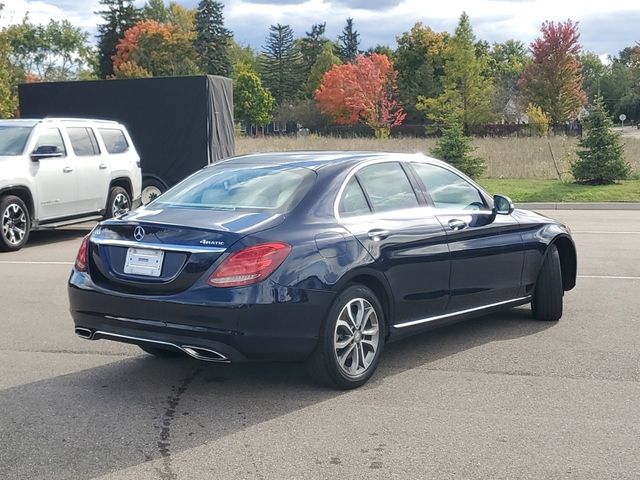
(502, 205)
(45, 151)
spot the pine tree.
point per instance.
(467, 92)
(212, 39)
(281, 64)
(119, 16)
(348, 43)
(602, 155)
(455, 148)
(311, 45)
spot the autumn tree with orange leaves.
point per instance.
(553, 79)
(364, 91)
(150, 48)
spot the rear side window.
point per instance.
(275, 188)
(114, 140)
(448, 190)
(353, 201)
(83, 141)
(51, 137)
(387, 187)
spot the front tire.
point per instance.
(351, 340)
(16, 223)
(547, 297)
(119, 202)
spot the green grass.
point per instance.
(540, 190)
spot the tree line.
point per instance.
(314, 80)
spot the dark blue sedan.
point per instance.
(315, 256)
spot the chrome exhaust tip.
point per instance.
(204, 354)
(84, 333)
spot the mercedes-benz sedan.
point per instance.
(320, 257)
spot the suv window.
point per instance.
(448, 190)
(387, 187)
(353, 201)
(83, 141)
(114, 140)
(13, 139)
(51, 137)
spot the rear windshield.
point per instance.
(13, 139)
(276, 188)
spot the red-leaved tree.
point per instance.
(364, 91)
(553, 79)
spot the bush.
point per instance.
(601, 158)
(538, 120)
(454, 147)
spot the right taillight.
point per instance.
(249, 265)
(82, 258)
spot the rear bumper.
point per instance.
(262, 322)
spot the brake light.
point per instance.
(82, 258)
(249, 265)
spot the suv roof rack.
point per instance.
(71, 119)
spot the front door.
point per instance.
(55, 178)
(486, 249)
(380, 207)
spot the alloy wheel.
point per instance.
(120, 205)
(356, 337)
(14, 224)
(149, 194)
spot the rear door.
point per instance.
(486, 250)
(92, 168)
(55, 178)
(380, 207)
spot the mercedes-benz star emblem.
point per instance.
(138, 233)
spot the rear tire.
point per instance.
(351, 340)
(160, 352)
(547, 297)
(16, 223)
(119, 202)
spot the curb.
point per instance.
(579, 206)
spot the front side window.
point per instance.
(353, 201)
(244, 187)
(13, 140)
(51, 137)
(387, 187)
(114, 140)
(448, 190)
(83, 141)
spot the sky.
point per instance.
(606, 26)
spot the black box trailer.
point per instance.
(178, 124)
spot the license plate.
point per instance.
(144, 262)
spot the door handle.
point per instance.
(457, 224)
(378, 234)
(67, 169)
(102, 166)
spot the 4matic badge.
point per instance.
(216, 243)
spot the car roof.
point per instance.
(315, 159)
(30, 122)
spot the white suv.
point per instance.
(56, 172)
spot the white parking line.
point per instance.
(605, 232)
(29, 262)
(609, 277)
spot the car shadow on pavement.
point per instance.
(105, 419)
(44, 237)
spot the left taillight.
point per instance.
(249, 265)
(82, 258)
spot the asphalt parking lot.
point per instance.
(499, 397)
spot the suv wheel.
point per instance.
(119, 202)
(16, 223)
(351, 342)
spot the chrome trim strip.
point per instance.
(461, 312)
(168, 247)
(188, 349)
